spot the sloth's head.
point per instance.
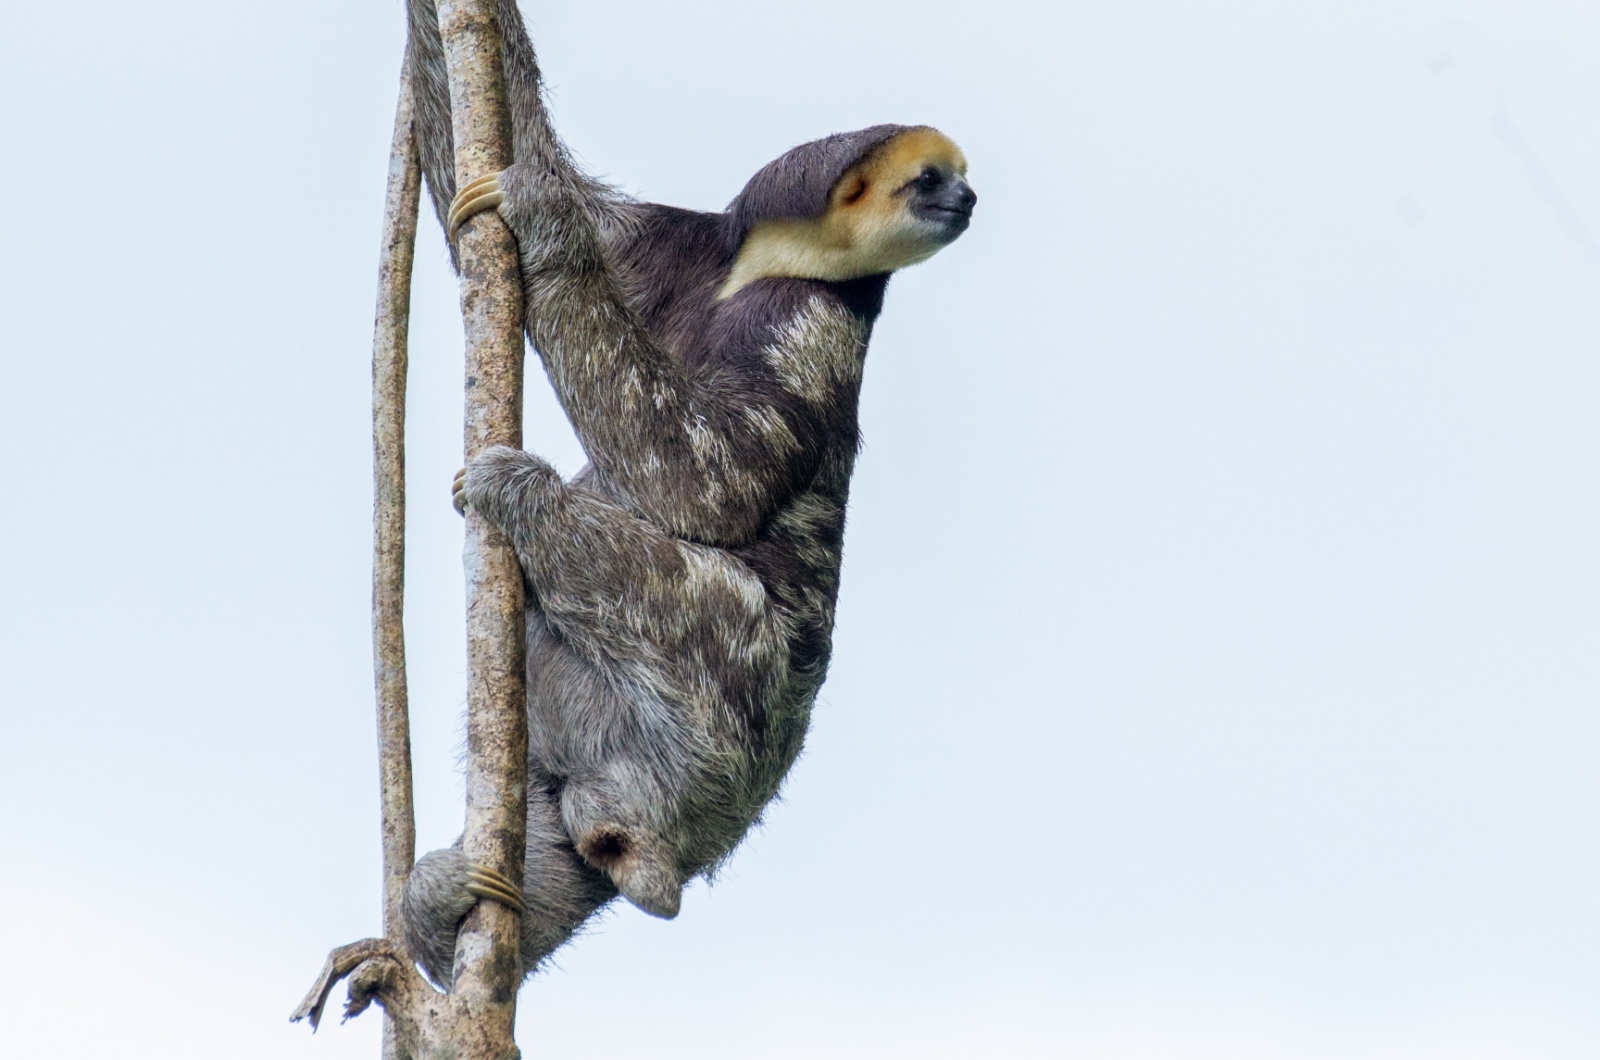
(850, 205)
(900, 204)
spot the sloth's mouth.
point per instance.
(950, 217)
(941, 211)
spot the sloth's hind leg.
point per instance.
(559, 892)
(676, 644)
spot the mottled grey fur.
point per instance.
(682, 586)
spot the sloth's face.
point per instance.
(907, 202)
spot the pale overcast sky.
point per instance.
(1216, 666)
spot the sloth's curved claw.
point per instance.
(484, 882)
(479, 195)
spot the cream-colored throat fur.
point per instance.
(817, 250)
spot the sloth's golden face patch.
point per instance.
(885, 173)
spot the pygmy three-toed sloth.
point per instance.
(682, 585)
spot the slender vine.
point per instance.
(389, 363)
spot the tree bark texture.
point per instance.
(475, 1021)
(488, 960)
(389, 364)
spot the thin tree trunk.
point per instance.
(475, 1021)
(389, 362)
(488, 951)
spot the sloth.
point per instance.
(681, 587)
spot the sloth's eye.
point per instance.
(929, 180)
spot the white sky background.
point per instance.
(1215, 672)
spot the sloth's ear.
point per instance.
(640, 866)
(851, 189)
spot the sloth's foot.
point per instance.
(478, 196)
(484, 882)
